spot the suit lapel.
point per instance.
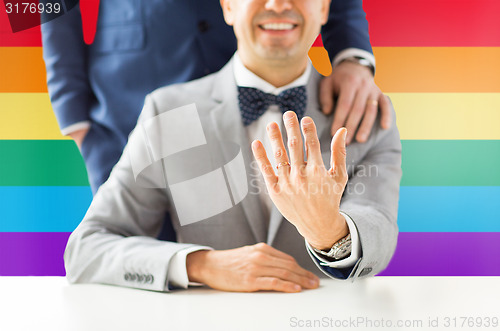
(274, 223)
(226, 120)
(313, 110)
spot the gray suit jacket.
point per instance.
(115, 243)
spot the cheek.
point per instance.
(245, 27)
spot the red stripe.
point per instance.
(434, 23)
(393, 23)
(318, 42)
(90, 11)
(27, 38)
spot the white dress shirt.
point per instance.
(257, 130)
(353, 52)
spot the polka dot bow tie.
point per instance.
(253, 102)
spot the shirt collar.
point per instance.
(246, 78)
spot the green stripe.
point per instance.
(41, 163)
(451, 163)
(425, 163)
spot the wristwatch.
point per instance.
(361, 61)
(339, 250)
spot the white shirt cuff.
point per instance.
(350, 52)
(355, 248)
(177, 272)
(75, 127)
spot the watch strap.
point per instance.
(361, 61)
(339, 250)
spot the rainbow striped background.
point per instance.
(438, 60)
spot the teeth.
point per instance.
(278, 26)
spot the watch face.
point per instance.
(343, 251)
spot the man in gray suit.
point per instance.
(190, 154)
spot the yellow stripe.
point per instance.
(419, 116)
(447, 115)
(27, 116)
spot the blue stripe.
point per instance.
(43, 208)
(449, 209)
(421, 208)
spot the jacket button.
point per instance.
(203, 26)
(365, 272)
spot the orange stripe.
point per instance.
(320, 60)
(22, 70)
(438, 69)
(399, 69)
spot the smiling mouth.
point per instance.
(278, 26)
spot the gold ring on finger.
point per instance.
(282, 164)
(373, 102)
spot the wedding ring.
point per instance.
(286, 163)
(373, 102)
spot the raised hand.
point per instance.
(306, 193)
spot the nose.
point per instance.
(278, 6)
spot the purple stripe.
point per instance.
(32, 253)
(417, 254)
(446, 254)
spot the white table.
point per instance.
(50, 303)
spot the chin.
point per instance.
(277, 53)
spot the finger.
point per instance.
(313, 149)
(369, 117)
(338, 156)
(326, 93)
(276, 284)
(356, 114)
(275, 258)
(263, 247)
(294, 139)
(344, 104)
(385, 108)
(259, 152)
(274, 134)
(288, 275)
(290, 266)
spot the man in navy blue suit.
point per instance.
(97, 91)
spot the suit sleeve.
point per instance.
(65, 55)
(115, 243)
(347, 27)
(371, 200)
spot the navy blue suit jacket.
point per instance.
(140, 46)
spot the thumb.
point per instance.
(338, 157)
